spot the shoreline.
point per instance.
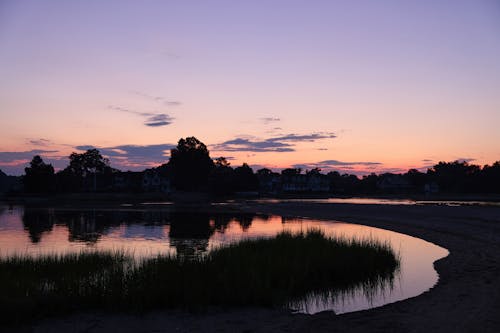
(466, 298)
(119, 197)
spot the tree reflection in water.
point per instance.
(189, 231)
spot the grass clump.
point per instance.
(262, 272)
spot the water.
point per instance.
(382, 201)
(161, 229)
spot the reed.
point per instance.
(259, 272)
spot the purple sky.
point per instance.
(371, 85)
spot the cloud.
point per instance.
(427, 160)
(10, 156)
(152, 119)
(134, 156)
(39, 142)
(304, 138)
(157, 99)
(341, 163)
(281, 144)
(268, 120)
(158, 120)
(241, 144)
(13, 162)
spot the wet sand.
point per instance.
(466, 298)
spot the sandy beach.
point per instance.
(466, 298)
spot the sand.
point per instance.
(466, 298)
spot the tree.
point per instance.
(290, 172)
(221, 162)
(90, 162)
(39, 176)
(83, 170)
(455, 176)
(191, 164)
(417, 179)
(490, 178)
(314, 172)
(221, 179)
(245, 179)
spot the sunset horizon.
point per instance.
(357, 89)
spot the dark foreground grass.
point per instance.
(263, 272)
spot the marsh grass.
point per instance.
(261, 272)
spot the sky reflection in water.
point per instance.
(161, 230)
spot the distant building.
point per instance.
(394, 183)
(430, 188)
(269, 182)
(10, 183)
(318, 183)
(311, 182)
(154, 181)
(129, 181)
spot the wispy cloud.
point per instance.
(281, 144)
(9, 156)
(158, 120)
(39, 142)
(304, 137)
(342, 163)
(240, 144)
(268, 120)
(158, 99)
(152, 119)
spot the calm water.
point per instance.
(381, 201)
(145, 232)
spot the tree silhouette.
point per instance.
(191, 164)
(90, 162)
(222, 177)
(290, 172)
(83, 169)
(39, 176)
(245, 179)
(455, 176)
(221, 162)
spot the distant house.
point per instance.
(10, 183)
(431, 187)
(269, 183)
(150, 180)
(295, 183)
(129, 181)
(394, 183)
(310, 182)
(155, 181)
(318, 182)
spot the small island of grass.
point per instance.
(259, 272)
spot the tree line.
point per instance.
(190, 168)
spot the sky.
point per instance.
(353, 86)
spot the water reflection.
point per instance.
(382, 201)
(36, 222)
(188, 232)
(167, 230)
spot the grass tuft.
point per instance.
(262, 272)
